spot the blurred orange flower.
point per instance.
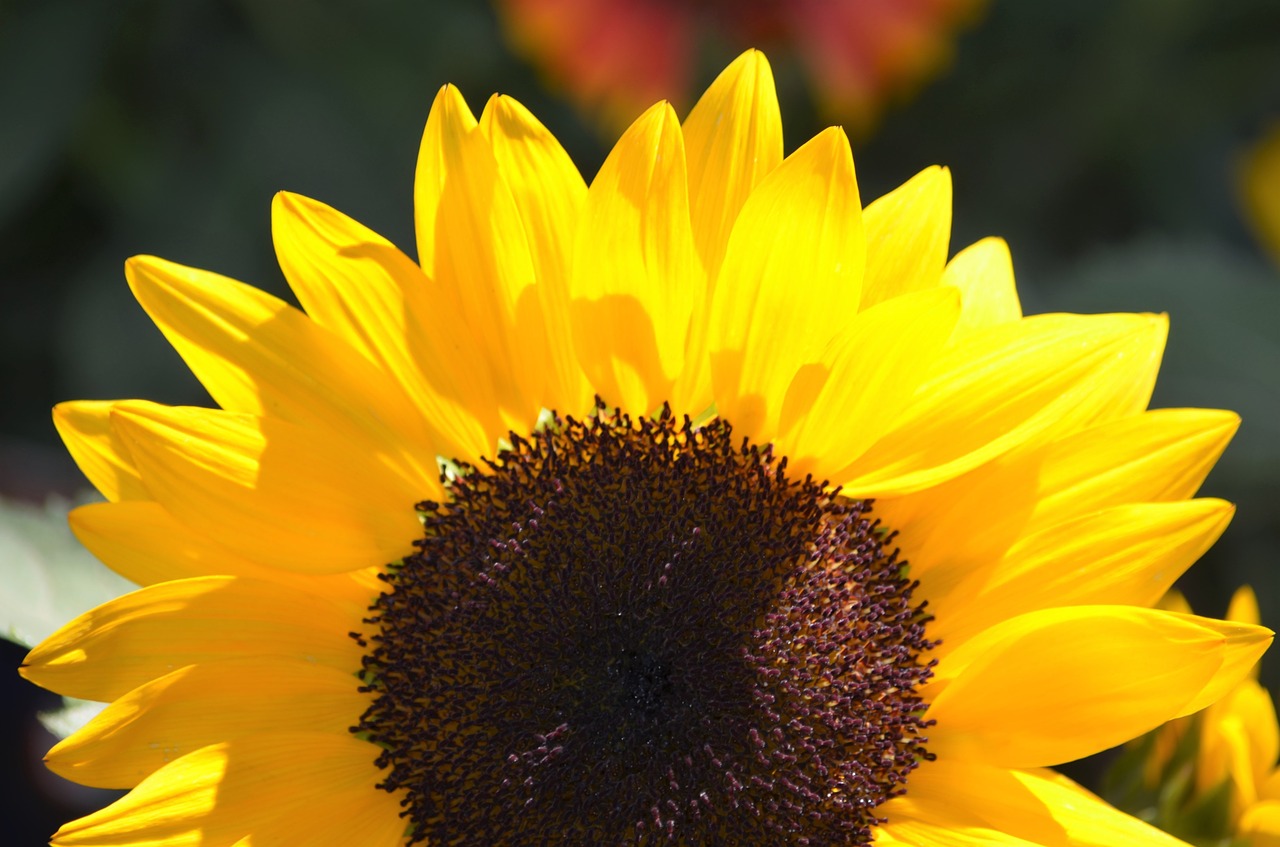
(615, 57)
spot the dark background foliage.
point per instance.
(1099, 137)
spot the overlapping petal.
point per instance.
(145, 544)
(1012, 696)
(258, 355)
(907, 232)
(85, 427)
(798, 241)
(1127, 554)
(356, 284)
(1037, 807)
(264, 789)
(299, 500)
(1036, 378)
(203, 704)
(733, 139)
(636, 277)
(549, 194)
(111, 650)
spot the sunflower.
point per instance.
(699, 505)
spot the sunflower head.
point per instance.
(654, 610)
(700, 504)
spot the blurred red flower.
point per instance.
(617, 57)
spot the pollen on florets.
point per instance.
(641, 631)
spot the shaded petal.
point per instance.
(144, 543)
(636, 276)
(1159, 456)
(204, 704)
(1013, 696)
(291, 498)
(1042, 807)
(908, 231)
(733, 138)
(790, 281)
(1128, 555)
(984, 274)
(905, 831)
(1039, 378)
(483, 261)
(355, 283)
(1244, 606)
(85, 427)
(953, 534)
(131, 640)
(448, 123)
(1239, 741)
(549, 193)
(862, 393)
(266, 787)
(1261, 824)
(958, 531)
(257, 354)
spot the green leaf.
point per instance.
(48, 577)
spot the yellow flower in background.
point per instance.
(762, 521)
(1260, 190)
(617, 56)
(1218, 770)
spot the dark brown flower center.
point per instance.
(642, 631)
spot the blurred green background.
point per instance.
(1100, 138)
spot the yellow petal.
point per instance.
(1158, 456)
(145, 544)
(549, 194)
(112, 649)
(1055, 685)
(908, 231)
(356, 284)
(1244, 606)
(984, 274)
(953, 534)
(905, 831)
(1270, 789)
(85, 428)
(1240, 741)
(733, 138)
(1261, 824)
(203, 704)
(448, 122)
(960, 530)
(260, 790)
(257, 354)
(1224, 756)
(789, 284)
(1040, 807)
(484, 261)
(275, 493)
(1040, 378)
(1174, 601)
(1127, 555)
(636, 276)
(862, 393)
